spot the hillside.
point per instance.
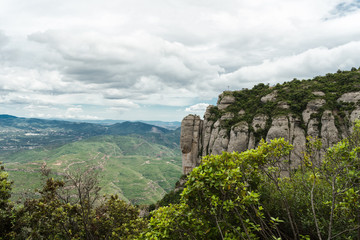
(27, 133)
(137, 170)
(323, 107)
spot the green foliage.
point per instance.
(128, 166)
(176, 222)
(222, 198)
(6, 207)
(256, 195)
(115, 219)
(60, 214)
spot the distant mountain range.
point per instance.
(28, 133)
(138, 161)
(168, 125)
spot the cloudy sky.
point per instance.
(162, 59)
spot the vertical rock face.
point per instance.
(225, 101)
(259, 122)
(239, 137)
(214, 134)
(298, 139)
(279, 128)
(190, 142)
(329, 132)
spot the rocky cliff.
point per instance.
(323, 107)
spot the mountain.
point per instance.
(168, 125)
(323, 107)
(29, 133)
(138, 161)
(137, 170)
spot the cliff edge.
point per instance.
(323, 107)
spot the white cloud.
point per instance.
(112, 57)
(305, 65)
(200, 107)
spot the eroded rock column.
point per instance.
(190, 142)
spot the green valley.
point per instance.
(138, 170)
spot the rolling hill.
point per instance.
(18, 134)
(138, 161)
(138, 171)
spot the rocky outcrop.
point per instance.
(190, 142)
(279, 128)
(212, 135)
(270, 97)
(259, 122)
(329, 132)
(350, 97)
(239, 137)
(312, 108)
(225, 101)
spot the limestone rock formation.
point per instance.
(350, 97)
(259, 122)
(190, 142)
(239, 137)
(225, 101)
(270, 97)
(270, 115)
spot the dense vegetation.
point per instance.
(68, 209)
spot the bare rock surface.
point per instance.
(259, 122)
(283, 105)
(227, 116)
(298, 140)
(329, 132)
(312, 107)
(225, 101)
(279, 128)
(221, 142)
(239, 137)
(319, 93)
(350, 97)
(191, 127)
(241, 112)
(270, 97)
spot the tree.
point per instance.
(116, 219)
(68, 209)
(223, 195)
(6, 206)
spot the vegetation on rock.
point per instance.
(256, 195)
(289, 98)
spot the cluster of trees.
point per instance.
(250, 195)
(68, 209)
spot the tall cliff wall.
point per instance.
(323, 107)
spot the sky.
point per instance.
(162, 59)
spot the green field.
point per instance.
(138, 171)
